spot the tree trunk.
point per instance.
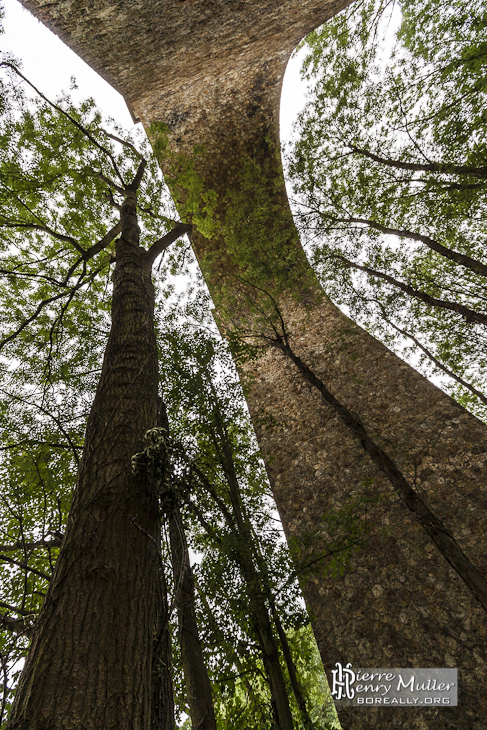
(196, 677)
(446, 544)
(91, 658)
(163, 717)
(254, 580)
(291, 668)
(259, 620)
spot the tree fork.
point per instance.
(90, 661)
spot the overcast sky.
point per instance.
(50, 64)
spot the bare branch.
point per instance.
(29, 546)
(103, 242)
(112, 200)
(433, 359)
(46, 229)
(123, 142)
(16, 625)
(105, 179)
(15, 609)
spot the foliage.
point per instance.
(62, 179)
(390, 177)
(195, 203)
(63, 176)
(209, 418)
(310, 669)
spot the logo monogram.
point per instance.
(343, 679)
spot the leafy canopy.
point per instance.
(389, 172)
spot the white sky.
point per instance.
(50, 64)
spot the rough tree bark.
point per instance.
(162, 709)
(90, 664)
(196, 678)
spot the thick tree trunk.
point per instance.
(197, 681)
(91, 659)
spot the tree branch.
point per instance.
(123, 142)
(29, 546)
(440, 167)
(469, 314)
(470, 263)
(16, 625)
(103, 242)
(51, 416)
(24, 566)
(68, 116)
(162, 243)
(45, 228)
(105, 179)
(14, 609)
(43, 304)
(135, 184)
(434, 359)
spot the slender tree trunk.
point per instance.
(258, 590)
(259, 621)
(259, 615)
(91, 659)
(291, 668)
(196, 677)
(163, 717)
(445, 542)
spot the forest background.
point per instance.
(381, 207)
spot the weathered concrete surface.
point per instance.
(212, 70)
